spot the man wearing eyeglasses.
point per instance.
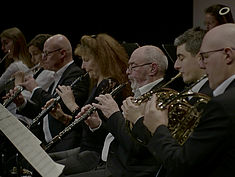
(124, 156)
(57, 57)
(209, 151)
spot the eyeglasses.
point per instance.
(205, 54)
(130, 67)
(46, 53)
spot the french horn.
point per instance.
(183, 117)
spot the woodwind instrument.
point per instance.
(5, 56)
(26, 72)
(58, 137)
(44, 112)
(19, 88)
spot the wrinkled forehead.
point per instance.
(136, 57)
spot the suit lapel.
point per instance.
(205, 89)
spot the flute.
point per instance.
(44, 112)
(26, 72)
(5, 56)
(67, 129)
(19, 88)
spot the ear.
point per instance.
(229, 55)
(63, 52)
(154, 68)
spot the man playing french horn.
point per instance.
(132, 111)
(123, 155)
(187, 63)
(209, 151)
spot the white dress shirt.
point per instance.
(57, 76)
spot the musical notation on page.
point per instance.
(28, 145)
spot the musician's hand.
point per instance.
(93, 121)
(19, 100)
(66, 93)
(57, 112)
(48, 103)
(106, 104)
(8, 95)
(153, 117)
(19, 77)
(30, 83)
(131, 111)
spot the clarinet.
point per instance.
(44, 112)
(67, 129)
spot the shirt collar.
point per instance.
(146, 88)
(61, 70)
(198, 86)
(222, 87)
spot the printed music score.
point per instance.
(28, 145)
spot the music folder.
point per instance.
(28, 145)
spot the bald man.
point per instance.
(57, 57)
(124, 156)
(210, 150)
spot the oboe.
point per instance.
(44, 112)
(67, 129)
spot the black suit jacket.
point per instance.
(127, 157)
(139, 131)
(93, 141)
(205, 89)
(210, 150)
(40, 97)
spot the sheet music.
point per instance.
(28, 145)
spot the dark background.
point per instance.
(141, 22)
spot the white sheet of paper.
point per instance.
(28, 145)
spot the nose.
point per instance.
(43, 56)
(127, 71)
(32, 58)
(176, 65)
(83, 65)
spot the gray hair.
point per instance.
(192, 38)
(155, 54)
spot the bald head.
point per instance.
(59, 52)
(146, 64)
(59, 41)
(150, 53)
(218, 52)
(220, 37)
